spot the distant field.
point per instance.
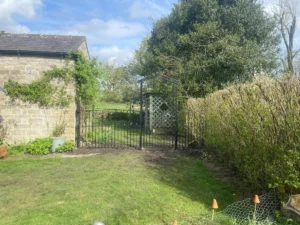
(112, 105)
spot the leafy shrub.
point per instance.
(255, 129)
(18, 149)
(65, 147)
(133, 118)
(119, 116)
(39, 146)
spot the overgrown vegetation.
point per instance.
(254, 128)
(50, 89)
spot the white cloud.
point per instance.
(113, 55)
(154, 6)
(10, 8)
(99, 31)
(147, 8)
(139, 10)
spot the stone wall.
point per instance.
(29, 121)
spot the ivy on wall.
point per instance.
(87, 75)
(84, 73)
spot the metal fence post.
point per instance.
(176, 116)
(141, 115)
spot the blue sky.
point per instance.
(114, 28)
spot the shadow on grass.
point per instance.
(190, 177)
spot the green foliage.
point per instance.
(99, 137)
(87, 75)
(50, 89)
(42, 91)
(125, 116)
(3, 131)
(119, 116)
(65, 147)
(18, 149)
(118, 85)
(254, 128)
(208, 44)
(59, 129)
(39, 146)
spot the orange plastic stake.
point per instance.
(214, 206)
(256, 199)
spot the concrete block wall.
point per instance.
(29, 121)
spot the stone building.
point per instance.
(25, 58)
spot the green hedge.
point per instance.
(255, 129)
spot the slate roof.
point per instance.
(39, 43)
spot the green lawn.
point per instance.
(112, 105)
(127, 188)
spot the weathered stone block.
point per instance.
(292, 207)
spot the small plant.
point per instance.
(3, 131)
(65, 147)
(18, 149)
(39, 146)
(59, 129)
(99, 137)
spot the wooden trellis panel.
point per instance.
(159, 114)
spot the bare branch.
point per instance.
(296, 53)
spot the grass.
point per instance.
(112, 105)
(126, 188)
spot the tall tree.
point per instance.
(207, 44)
(118, 85)
(286, 16)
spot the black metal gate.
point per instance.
(120, 129)
(154, 124)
